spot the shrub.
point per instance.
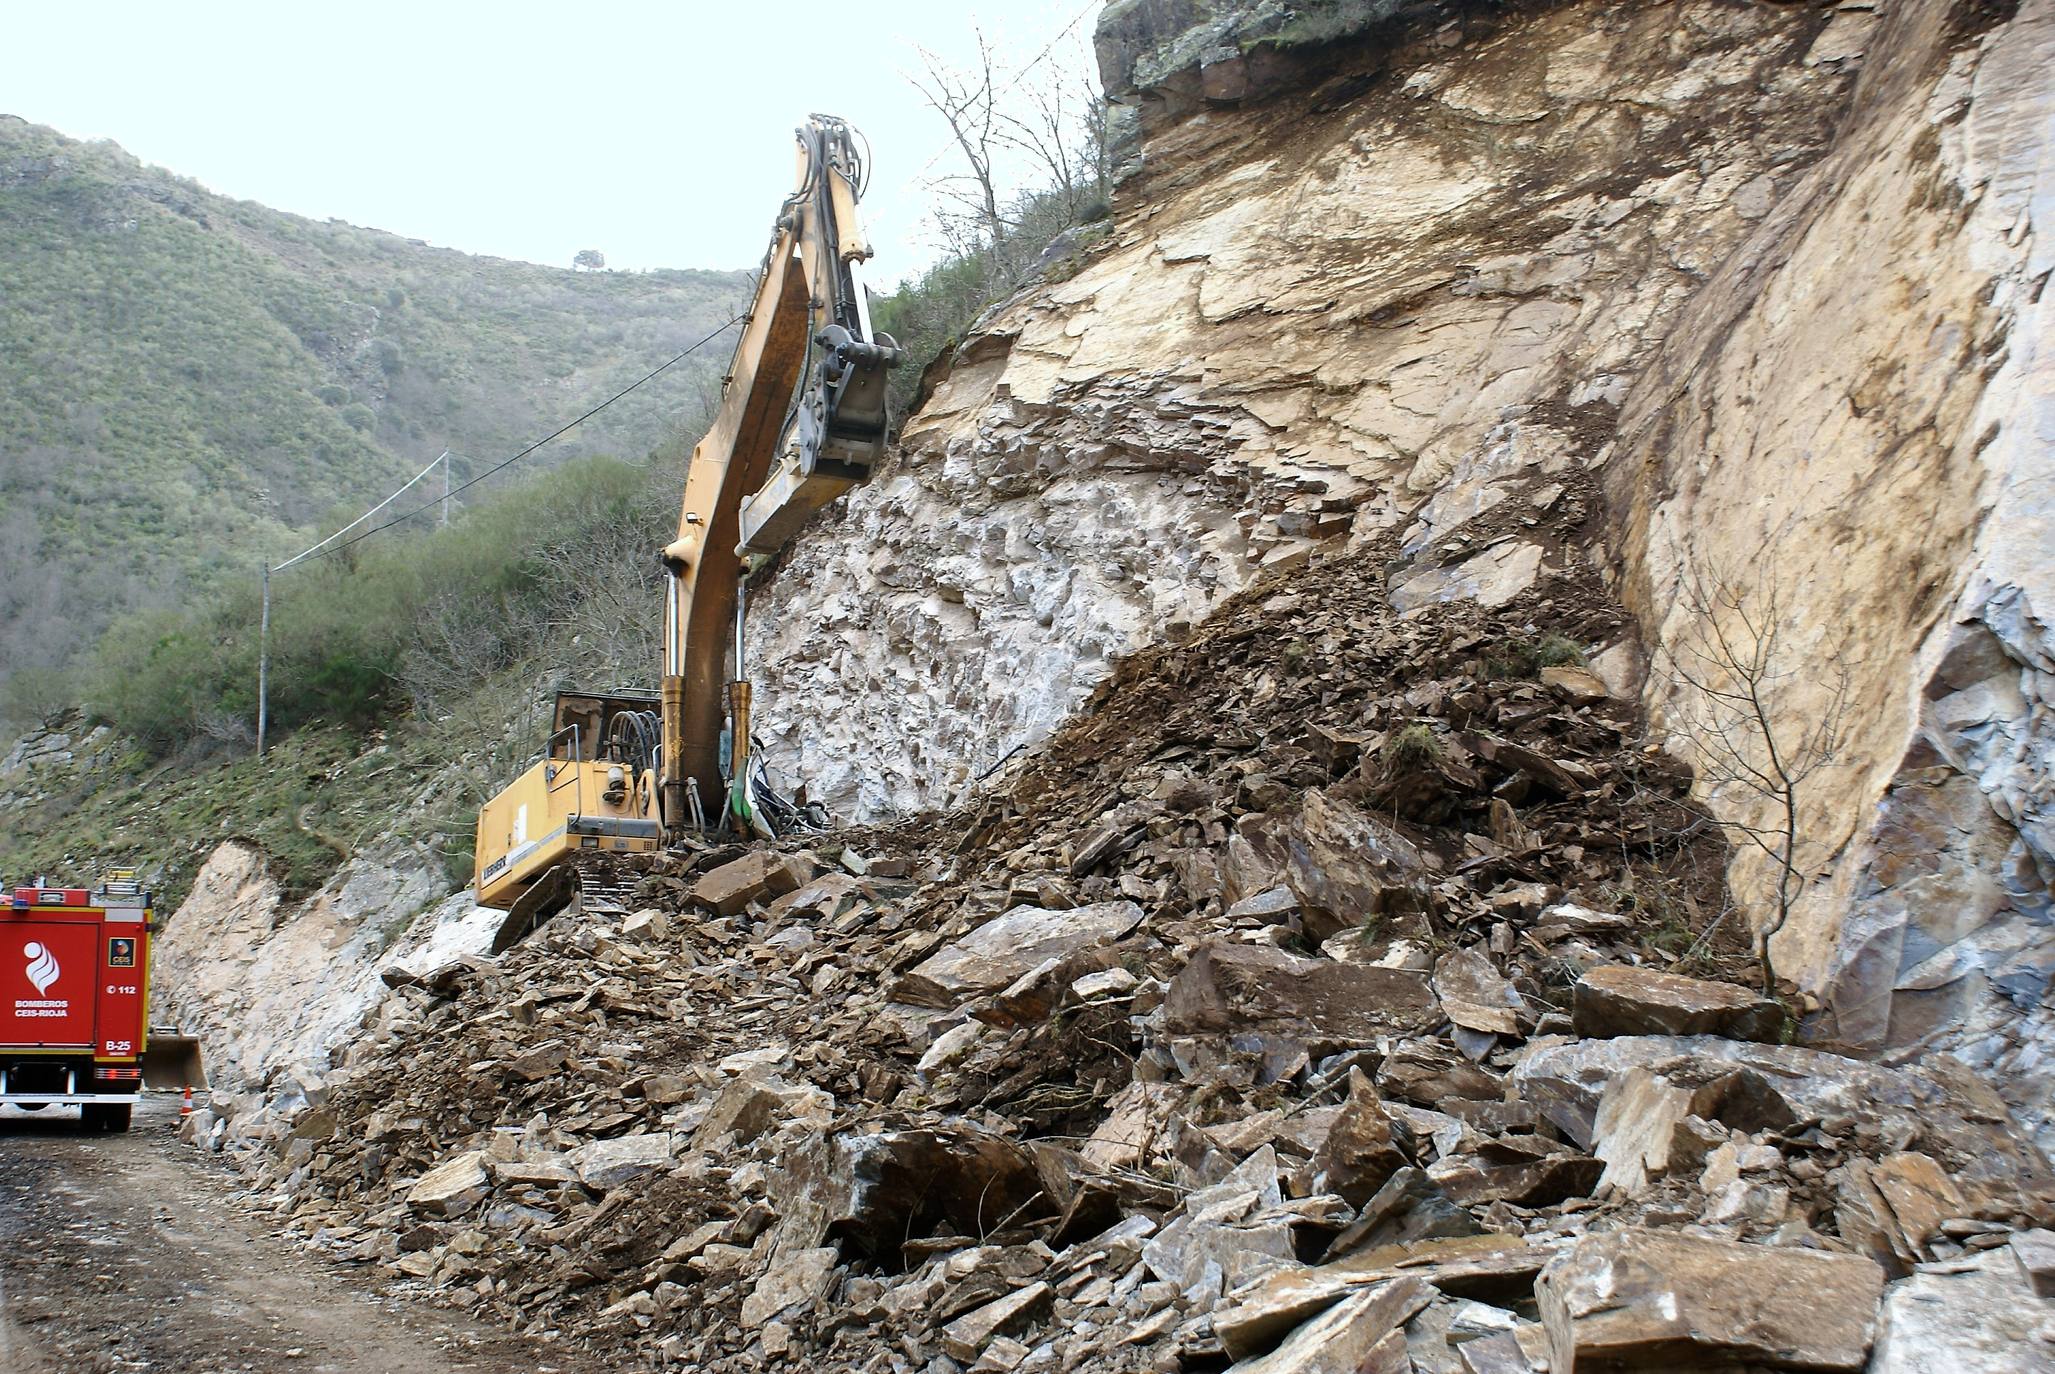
(1522, 657)
(36, 695)
(1410, 749)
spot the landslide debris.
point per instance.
(1341, 989)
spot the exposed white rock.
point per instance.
(268, 984)
(1974, 1316)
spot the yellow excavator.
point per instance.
(802, 420)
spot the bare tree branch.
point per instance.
(1726, 677)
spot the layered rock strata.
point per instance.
(1766, 279)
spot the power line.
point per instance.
(318, 551)
(441, 459)
(509, 462)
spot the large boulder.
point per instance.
(604, 1165)
(1649, 1300)
(1621, 999)
(451, 1187)
(1346, 867)
(876, 1190)
(1231, 988)
(735, 884)
(1000, 951)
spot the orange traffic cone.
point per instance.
(185, 1108)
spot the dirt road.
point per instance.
(129, 1252)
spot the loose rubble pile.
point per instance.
(1335, 994)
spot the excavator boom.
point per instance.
(802, 420)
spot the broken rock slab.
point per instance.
(1362, 1334)
(998, 953)
(1475, 996)
(1527, 1171)
(1136, 1118)
(1346, 865)
(2035, 1253)
(756, 1101)
(1974, 1316)
(1927, 1107)
(604, 1165)
(1231, 988)
(1363, 1148)
(451, 1187)
(878, 1190)
(734, 885)
(1430, 1073)
(1893, 1208)
(797, 1280)
(1654, 1300)
(966, 1337)
(1577, 686)
(1258, 1314)
(1231, 1232)
(1409, 1207)
(1621, 999)
(1648, 1125)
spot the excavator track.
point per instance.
(597, 884)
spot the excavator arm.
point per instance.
(801, 421)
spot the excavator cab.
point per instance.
(593, 791)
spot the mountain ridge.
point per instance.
(190, 382)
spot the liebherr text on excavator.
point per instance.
(802, 420)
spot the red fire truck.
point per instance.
(75, 1001)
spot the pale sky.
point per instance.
(659, 134)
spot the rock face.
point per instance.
(1116, 453)
(1368, 278)
(271, 987)
(1931, 924)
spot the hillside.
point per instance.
(1441, 740)
(189, 382)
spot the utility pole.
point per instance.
(445, 461)
(264, 662)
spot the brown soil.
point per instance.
(128, 1252)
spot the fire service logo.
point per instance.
(43, 967)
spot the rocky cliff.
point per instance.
(1759, 283)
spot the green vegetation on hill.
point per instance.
(189, 383)
(410, 679)
(405, 620)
